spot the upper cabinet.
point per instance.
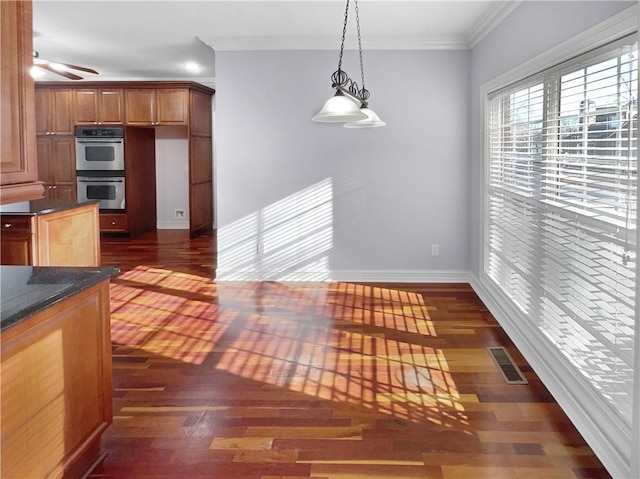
(161, 106)
(98, 106)
(54, 111)
(18, 166)
(200, 114)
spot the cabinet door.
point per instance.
(65, 192)
(200, 114)
(54, 111)
(172, 106)
(140, 107)
(43, 109)
(63, 161)
(16, 241)
(69, 237)
(15, 249)
(111, 108)
(17, 138)
(45, 160)
(85, 106)
(56, 159)
(61, 112)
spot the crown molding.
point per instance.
(283, 42)
(492, 17)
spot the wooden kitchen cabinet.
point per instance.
(18, 164)
(93, 106)
(156, 106)
(65, 237)
(57, 166)
(54, 115)
(145, 104)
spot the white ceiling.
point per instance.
(149, 39)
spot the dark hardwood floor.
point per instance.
(267, 380)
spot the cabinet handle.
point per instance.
(113, 223)
(7, 225)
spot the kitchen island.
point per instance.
(56, 373)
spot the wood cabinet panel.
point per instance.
(56, 388)
(61, 112)
(199, 114)
(42, 96)
(18, 164)
(92, 106)
(111, 106)
(139, 107)
(18, 241)
(200, 159)
(54, 114)
(64, 159)
(69, 238)
(172, 106)
(200, 208)
(56, 166)
(156, 106)
(85, 106)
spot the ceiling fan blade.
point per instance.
(69, 75)
(76, 67)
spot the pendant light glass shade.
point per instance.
(339, 109)
(371, 121)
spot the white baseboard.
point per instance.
(173, 225)
(358, 276)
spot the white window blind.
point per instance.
(561, 211)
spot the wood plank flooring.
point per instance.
(266, 380)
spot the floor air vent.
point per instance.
(509, 370)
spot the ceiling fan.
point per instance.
(59, 68)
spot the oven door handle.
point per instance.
(102, 180)
(96, 142)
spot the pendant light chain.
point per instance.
(344, 34)
(363, 93)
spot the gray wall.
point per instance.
(379, 197)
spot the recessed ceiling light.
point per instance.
(193, 67)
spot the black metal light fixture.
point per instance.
(350, 103)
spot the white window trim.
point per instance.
(613, 441)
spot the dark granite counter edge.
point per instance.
(83, 278)
(46, 206)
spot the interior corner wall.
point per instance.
(381, 196)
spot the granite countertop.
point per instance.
(41, 207)
(27, 290)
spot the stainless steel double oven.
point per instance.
(100, 171)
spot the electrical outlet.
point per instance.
(260, 248)
(435, 250)
(179, 214)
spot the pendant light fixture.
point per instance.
(349, 105)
